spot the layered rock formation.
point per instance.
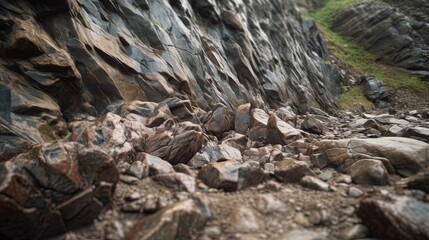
(398, 36)
(74, 58)
(149, 70)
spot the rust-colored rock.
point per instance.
(175, 143)
(74, 177)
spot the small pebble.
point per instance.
(355, 192)
(129, 179)
(325, 176)
(273, 185)
(344, 179)
(358, 231)
(269, 167)
(133, 196)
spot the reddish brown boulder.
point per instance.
(77, 181)
(175, 143)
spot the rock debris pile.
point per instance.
(175, 174)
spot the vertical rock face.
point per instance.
(69, 57)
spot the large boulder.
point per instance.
(154, 165)
(242, 118)
(375, 91)
(396, 217)
(313, 125)
(176, 181)
(114, 134)
(258, 122)
(175, 143)
(407, 156)
(231, 175)
(54, 188)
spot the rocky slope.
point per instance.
(310, 176)
(193, 119)
(396, 33)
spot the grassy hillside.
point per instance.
(358, 60)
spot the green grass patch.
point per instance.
(356, 58)
(354, 98)
(326, 15)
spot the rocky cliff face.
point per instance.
(77, 58)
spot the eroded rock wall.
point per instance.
(68, 58)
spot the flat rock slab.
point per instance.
(407, 156)
(213, 152)
(303, 235)
(419, 133)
